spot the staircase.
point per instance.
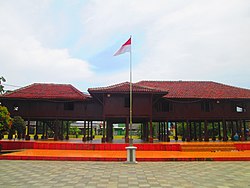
(207, 147)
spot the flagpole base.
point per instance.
(131, 157)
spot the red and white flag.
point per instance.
(126, 47)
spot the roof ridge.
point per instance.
(236, 87)
(18, 90)
(50, 84)
(120, 87)
(109, 87)
(47, 90)
(174, 81)
(151, 88)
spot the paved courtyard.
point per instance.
(116, 174)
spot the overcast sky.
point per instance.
(62, 41)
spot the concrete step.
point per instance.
(207, 149)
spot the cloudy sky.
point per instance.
(62, 41)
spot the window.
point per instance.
(206, 106)
(69, 106)
(126, 102)
(164, 106)
(167, 106)
(240, 108)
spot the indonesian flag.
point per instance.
(126, 47)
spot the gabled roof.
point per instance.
(125, 88)
(198, 89)
(47, 91)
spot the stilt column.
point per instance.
(200, 133)
(213, 134)
(183, 131)
(27, 137)
(195, 134)
(36, 135)
(176, 131)
(225, 138)
(103, 131)
(188, 131)
(206, 137)
(151, 131)
(84, 132)
(219, 132)
(67, 131)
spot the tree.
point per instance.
(19, 126)
(5, 120)
(2, 79)
(74, 131)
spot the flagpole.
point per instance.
(130, 99)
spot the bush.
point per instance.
(5, 120)
(19, 126)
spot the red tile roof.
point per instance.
(47, 91)
(125, 88)
(198, 89)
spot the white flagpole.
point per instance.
(130, 98)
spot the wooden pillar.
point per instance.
(91, 130)
(213, 132)
(183, 131)
(159, 131)
(167, 136)
(206, 137)
(109, 131)
(188, 131)
(232, 128)
(219, 132)
(36, 135)
(163, 132)
(176, 131)
(88, 135)
(151, 131)
(84, 132)
(239, 129)
(147, 132)
(200, 133)
(61, 131)
(43, 135)
(67, 130)
(195, 134)
(224, 126)
(245, 130)
(27, 137)
(103, 132)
